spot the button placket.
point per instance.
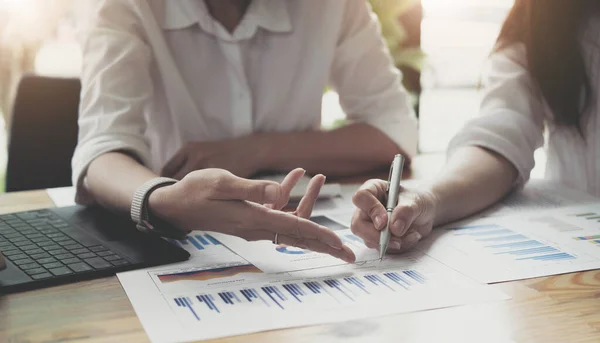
(241, 100)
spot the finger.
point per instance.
(410, 240)
(364, 229)
(369, 199)
(403, 216)
(287, 185)
(371, 245)
(294, 226)
(184, 170)
(307, 202)
(406, 243)
(175, 163)
(230, 187)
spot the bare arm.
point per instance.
(113, 178)
(473, 179)
(348, 150)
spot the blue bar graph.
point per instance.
(313, 286)
(553, 257)
(540, 250)
(282, 295)
(356, 282)
(258, 296)
(247, 294)
(485, 232)
(529, 243)
(228, 297)
(195, 243)
(337, 285)
(415, 276)
(187, 303)
(213, 240)
(377, 280)
(395, 277)
(202, 240)
(270, 292)
(503, 238)
(475, 227)
(294, 291)
(208, 300)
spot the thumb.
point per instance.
(258, 191)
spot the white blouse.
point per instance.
(513, 117)
(160, 73)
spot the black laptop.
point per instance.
(53, 246)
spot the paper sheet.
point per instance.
(535, 244)
(539, 195)
(63, 196)
(187, 303)
(273, 258)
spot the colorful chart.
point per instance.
(204, 275)
(284, 249)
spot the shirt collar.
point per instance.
(271, 15)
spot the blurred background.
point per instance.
(440, 45)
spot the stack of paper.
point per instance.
(218, 293)
(232, 287)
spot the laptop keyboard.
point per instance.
(35, 242)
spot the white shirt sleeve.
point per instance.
(116, 85)
(368, 83)
(511, 120)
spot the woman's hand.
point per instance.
(411, 220)
(217, 200)
(241, 156)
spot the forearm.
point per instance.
(473, 179)
(113, 178)
(349, 150)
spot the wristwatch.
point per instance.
(140, 214)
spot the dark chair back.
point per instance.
(43, 133)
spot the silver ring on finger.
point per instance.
(276, 239)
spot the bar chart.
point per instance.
(283, 296)
(199, 241)
(203, 246)
(511, 245)
(225, 299)
(593, 239)
(587, 216)
(540, 243)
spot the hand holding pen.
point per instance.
(393, 193)
(407, 213)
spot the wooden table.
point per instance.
(563, 308)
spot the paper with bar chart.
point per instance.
(509, 248)
(272, 258)
(204, 247)
(229, 299)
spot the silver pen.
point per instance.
(392, 192)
